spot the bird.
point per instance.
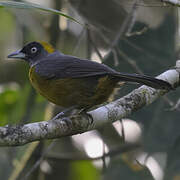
(69, 81)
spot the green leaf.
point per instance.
(25, 5)
(81, 170)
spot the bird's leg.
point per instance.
(64, 113)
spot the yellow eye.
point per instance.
(33, 50)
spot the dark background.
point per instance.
(138, 39)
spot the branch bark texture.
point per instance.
(80, 123)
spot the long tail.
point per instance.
(143, 79)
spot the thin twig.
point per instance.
(124, 148)
(78, 42)
(125, 24)
(115, 55)
(138, 48)
(130, 61)
(88, 44)
(142, 4)
(95, 47)
(140, 32)
(133, 20)
(38, 162)
(122, 130)
(116, 50)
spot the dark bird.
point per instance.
(69, 81)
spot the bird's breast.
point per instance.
(46, 87)
(67, 92)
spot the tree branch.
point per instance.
(173, 2)
(67, 126)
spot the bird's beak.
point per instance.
(17, 54)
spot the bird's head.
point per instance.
(33, 52)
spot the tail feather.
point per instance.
(143, 79)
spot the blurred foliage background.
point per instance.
(139, 36)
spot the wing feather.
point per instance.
(64, 66)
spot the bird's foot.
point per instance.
(59, 115)
(84, 112)
(63, 113)
(68, 122)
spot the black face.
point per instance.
(32, 50)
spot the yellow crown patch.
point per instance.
(48, 47)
